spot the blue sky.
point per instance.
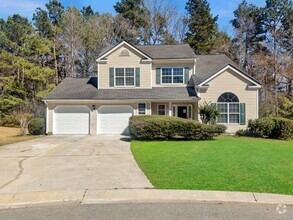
(223, 8)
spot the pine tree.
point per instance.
(137, 14)
(202, 26)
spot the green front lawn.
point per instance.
(227, 163)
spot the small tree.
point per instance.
(208, 113)
(24, 119)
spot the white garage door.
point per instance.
(71, 120)
(113, 119)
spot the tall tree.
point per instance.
(87, 12)
(56, 10)
(202, 26)
(163, 22)
(43, 24)
(137, 14)
(70, 37)
(275, 14)
(248, 32)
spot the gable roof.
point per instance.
(111, 48)
(85, 89)
(178, 51)
(207, 66)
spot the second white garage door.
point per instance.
(113, 119)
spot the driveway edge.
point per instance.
(19, 200)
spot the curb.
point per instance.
(18, 200)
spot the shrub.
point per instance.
(9, 121)
(261, 127)
(36, 126)
(241, 133)
(283, 128)
(154, 127)
(273, 127)
(208, 113)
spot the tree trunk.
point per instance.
(275, 69)
(55, 59)
(22, 80)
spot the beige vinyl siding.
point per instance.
(115, 60)
(229, 81)
(189, 64)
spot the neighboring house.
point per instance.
(151, 80)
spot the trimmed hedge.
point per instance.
(37, 126)
(273, 127)
(283, 128)
(156, 127)
(261, 127)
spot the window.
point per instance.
(172, 75)
(161, 109)
(124, 77)
(229, 107)
(124, 52)
(141, 108)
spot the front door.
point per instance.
(182, 112)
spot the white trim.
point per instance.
(119, 45)
(151, 71)
(194, 67)
(235, 70)
(168, 59)
(98, 75)
(158, 108)
(150, 108)
(47, 119)
(257, 104)
(92, 101)
(170, 109)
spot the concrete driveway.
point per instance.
(58, 163)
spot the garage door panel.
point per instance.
(114, 119)
(71, 120)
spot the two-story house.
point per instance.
(151, 80)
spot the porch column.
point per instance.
(170, 109)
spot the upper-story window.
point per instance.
(229, 106)
(124, 77)
(172, 75)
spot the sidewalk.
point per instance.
(138, 196)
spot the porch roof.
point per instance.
(85, 89)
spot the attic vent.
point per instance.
(124, 52)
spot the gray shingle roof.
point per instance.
(208, 65)
(179, 51)
(84, 88)
(167, 51)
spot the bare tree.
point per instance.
(70, 40)
(165, 23)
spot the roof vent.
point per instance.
(124, 52)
